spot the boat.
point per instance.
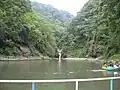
(109, 68)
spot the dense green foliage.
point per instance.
(30, 28)
(41, 34)
(59, 18)
(33, 29)
(96, 29)
(11, 22)
(52, 12)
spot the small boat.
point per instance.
(109, 68)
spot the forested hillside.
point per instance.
(31, 28)
(52, 12)
(95, 31)
(25, 30)
(60, 20)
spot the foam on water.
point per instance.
(97, 70)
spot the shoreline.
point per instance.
(34, 58)
(31, 58)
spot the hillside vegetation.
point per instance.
(95, 31)
(30, 29)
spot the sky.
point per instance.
(72, 6)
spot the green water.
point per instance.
(37, 70)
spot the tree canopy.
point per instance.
(41, 29)
(96, 29)
(31, 27)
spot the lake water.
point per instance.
(37, 70)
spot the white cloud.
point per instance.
(72, 6)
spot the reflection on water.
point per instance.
(54, 70)
(111, 73)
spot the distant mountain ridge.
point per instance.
(52, 12)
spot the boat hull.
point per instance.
(111, 68)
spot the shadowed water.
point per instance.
(37, 70)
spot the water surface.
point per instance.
(37, 70)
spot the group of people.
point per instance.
(115, 64)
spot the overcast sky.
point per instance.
(72, 6)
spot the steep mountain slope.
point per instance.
(95, 30)
(52, 12)
(25, 31)
(59, 18)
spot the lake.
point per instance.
(39, 70)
